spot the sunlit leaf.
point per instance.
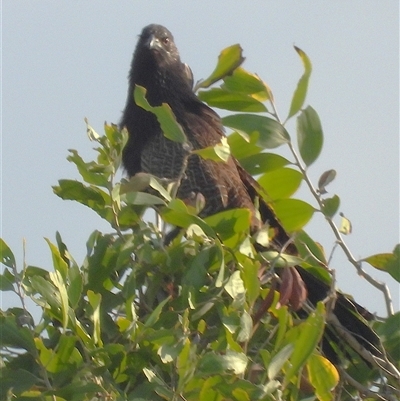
(95, 302)
(345, 225)
(389, 262)
(228, 60)
(281, 183)
(222, 99)
(59, 282)
(309, 135)
(294, 214)
(279, 360)
(242, 81)
(219, 153)
(279, 259)
(301, 91)
(243, 145)
(323, 376)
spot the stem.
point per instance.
(339, 239)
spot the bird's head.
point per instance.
(159, 42)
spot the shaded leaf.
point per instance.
(7, 257)
(165, 116)
(262, 162)
(331, 206)
(309, 335)
(309, 135)
(326, 178)
(300, 93)
(15, 336)
(271, 134)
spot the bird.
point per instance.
(156, 65)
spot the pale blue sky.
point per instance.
(63, 61)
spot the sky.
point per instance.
(64, 61)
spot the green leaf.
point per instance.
(271, 134)
(18, 381)
(141, 181)
(242, 81)
(219, 153)
(7, 257)
(234, 287)
(310, 251)
(259, 163)
(309, 335)
(229, 222)
(177, 214)
(165, 116)
(90, 196)
(228, 60)
(246, 327)
(279, 259)
(155, 315)
(323, 376)
(91, 172)
(15, 336)
(389, 262)
(309, 135)
(59, 263)
(75, 286)
(95, 302)
(277, 362)
(6, 284)
(301, 91)
(212, 363)
(243, 145)
(226, 100)
(294, 214)
(281, 183)
(331, 206)
(251, 280)
(59, 282)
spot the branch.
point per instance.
(339, 239)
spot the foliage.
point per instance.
(199, 318)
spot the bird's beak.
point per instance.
(154, 43)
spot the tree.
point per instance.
(195, 318)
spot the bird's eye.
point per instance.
(165, 40)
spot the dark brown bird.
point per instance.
(156, 65)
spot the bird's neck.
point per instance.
(163, 85)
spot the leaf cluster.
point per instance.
(199, 317)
